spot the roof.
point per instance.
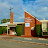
(37, 18)
(32, 16)
(8, 23)
(3, 25)
(43, 20)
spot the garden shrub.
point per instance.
(38, 30)
(4, 29)
(0, 30)
(19, 30)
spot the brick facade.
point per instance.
(11, 17)
(11, 21)
(33, 21)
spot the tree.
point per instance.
(8, 20)
(5, 20)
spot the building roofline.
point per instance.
(31, 15)
(43, 20)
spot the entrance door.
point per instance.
(12, 30)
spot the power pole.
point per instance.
(10, 10)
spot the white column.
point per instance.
(7, 30)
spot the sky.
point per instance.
(38, 8)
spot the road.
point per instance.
(31, 40)
(12, 44)
(25, 39)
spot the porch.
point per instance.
(10, 29)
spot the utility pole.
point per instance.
(10, 10)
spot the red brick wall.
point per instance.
(11, 17)
(28, 31)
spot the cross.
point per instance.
(10, 10)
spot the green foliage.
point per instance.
(4, 29)
(47, 29)
(19, 30)
(8, 20)
(0, 30)
(5, 20)
(38, 30)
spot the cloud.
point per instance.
(38, 8)
(15, 4)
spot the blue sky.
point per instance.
(38, 8)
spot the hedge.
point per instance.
(4, 29)
(19, 30)
(0, 30)
(38, 30)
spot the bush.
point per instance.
(4, 29)
(0, 30)
(19, 30)
(47, 29)
(38, 30)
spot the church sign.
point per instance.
(28, 19)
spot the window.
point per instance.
(44, 29)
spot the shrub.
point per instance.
(4, 29)
(38, 30)
(47, 29)
(0, 30)
(19, 30)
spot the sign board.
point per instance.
(28, 19)
(27, 24)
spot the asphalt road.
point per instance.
(31, 40)
(11, 44)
